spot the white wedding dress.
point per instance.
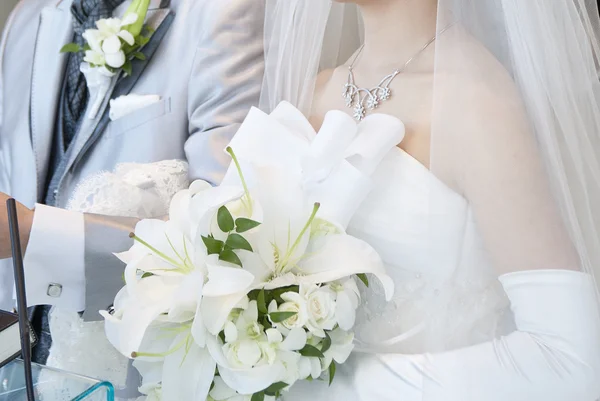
(392, 220)
(428, 238)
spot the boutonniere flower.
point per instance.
(110, 49)
(116, 42)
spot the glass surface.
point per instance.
(51, 385)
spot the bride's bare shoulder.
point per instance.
(326, 80)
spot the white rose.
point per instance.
(321, 309)
(244, 354)
(294, 302)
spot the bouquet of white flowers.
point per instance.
(253, 285)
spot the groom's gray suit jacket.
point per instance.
(206, 64)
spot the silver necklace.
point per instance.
(363, 100)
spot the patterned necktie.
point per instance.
(85, 14)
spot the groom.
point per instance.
(199, 74)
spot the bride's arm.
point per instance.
(551, 356)
(554, 352)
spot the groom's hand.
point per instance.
(25, 222)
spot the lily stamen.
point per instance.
(162, 354)
(153, 249)
(308, 224)
(241, 175)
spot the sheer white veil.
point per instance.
(515, 78)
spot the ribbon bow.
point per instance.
(334, 165)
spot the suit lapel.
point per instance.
(160, 20)
(55, 29)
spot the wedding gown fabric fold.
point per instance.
(494, 246)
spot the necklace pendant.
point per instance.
(372, 102)
(349, 101)
(385, 94)
(359, 112)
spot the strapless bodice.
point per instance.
(427, 235)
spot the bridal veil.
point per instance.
(515, 123)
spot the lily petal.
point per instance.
(187, 373)
(215, 310)
(226, 281)
(221, 391)
(185, 302)
(337, 256)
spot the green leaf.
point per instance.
(363, 277)
(276, 293)
(274, 389)
(331, 372)
(127, 67)
(213, 246)
(242, 225)
(141, 40)
(261, 303)
(278, 317)
(229, 256)
(225, 220)
(236, 241)
(86, 47)
(253, 295)
(71, 48)
(258, 396)
(311, 351)
(139, 56)
(326, 343)
(147, 274)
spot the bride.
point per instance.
(486, 213)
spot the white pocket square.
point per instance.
(124, 105)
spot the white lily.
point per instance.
(292, 251)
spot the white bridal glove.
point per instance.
(553, 355)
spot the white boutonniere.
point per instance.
(111, 48)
